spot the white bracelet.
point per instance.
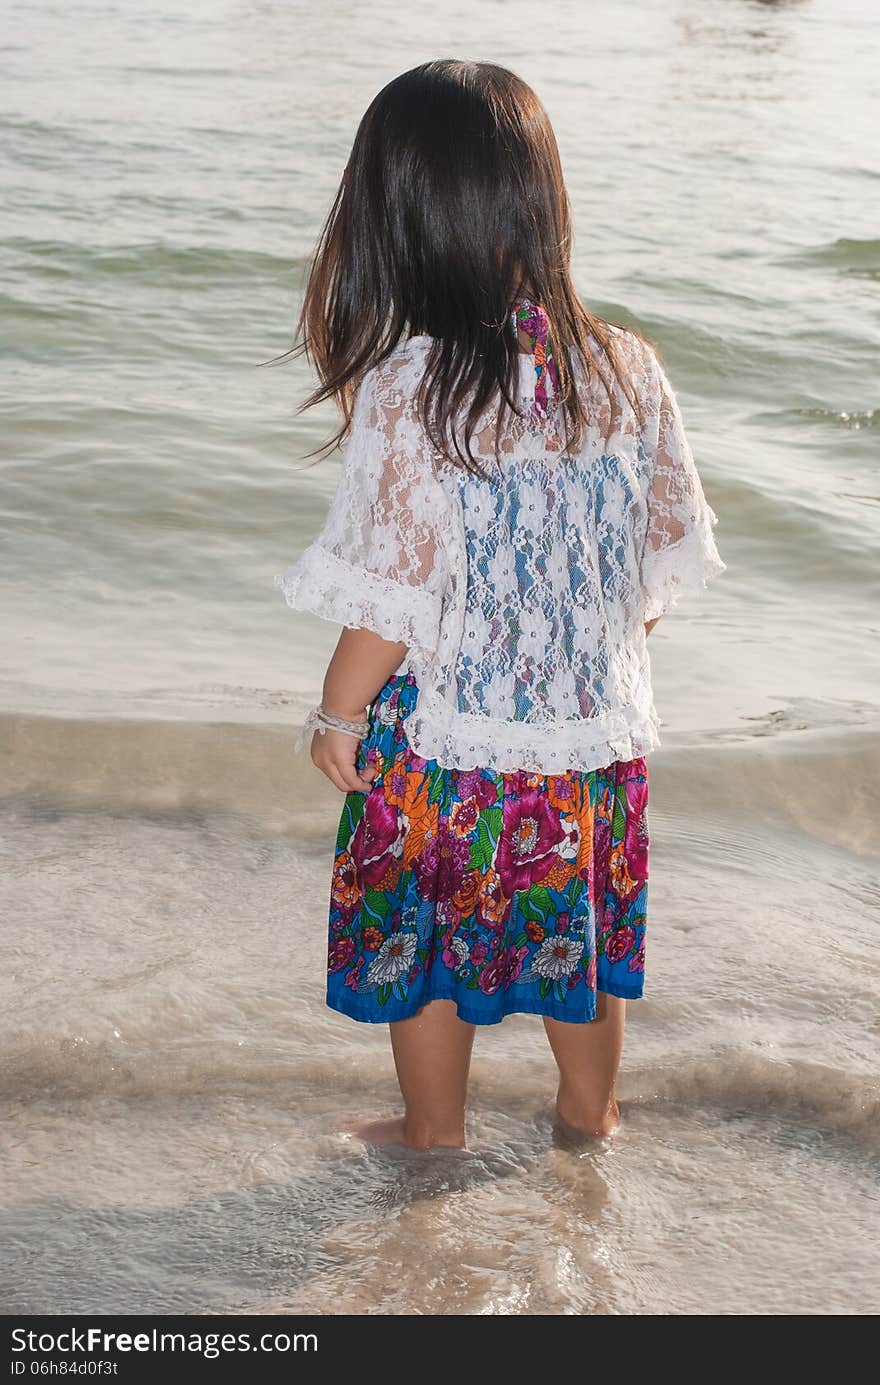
(319, 720)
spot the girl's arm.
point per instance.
(649, 625)
(361, 665)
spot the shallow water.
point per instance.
(174, 1092)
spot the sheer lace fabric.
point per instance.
(521, 595)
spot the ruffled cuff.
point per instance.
(330, 587)
(687, 566)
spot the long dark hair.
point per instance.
(452, 206)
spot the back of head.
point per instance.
(452, 205)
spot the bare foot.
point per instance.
(572, 1129)
(384, 1132)
(393, 1132)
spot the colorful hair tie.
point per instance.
(531, 318)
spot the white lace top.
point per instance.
(522, 598)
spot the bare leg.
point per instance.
(432, 1054)
(588, 1056)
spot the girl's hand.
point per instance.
(335, 754)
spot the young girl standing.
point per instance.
(519, 506)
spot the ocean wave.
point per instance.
(848, 255)
(80, 1067)
(152, 261)
(838, 418)
(776, 771)
(813, 1094)
(745, 1083)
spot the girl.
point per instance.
(519, 505)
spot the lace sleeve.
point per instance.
(378, 563)
(679, 553)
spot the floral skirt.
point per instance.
(506, 893)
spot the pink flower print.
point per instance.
(455, 952)
(619, 943)
(530, 833)
(465, 817)
(636, 838)
(444, 917)
(562, 923)
(637, 961)
(377, 840)
(472, 783)
(479, 953)
(563, 791)
(441, 864)
(492, 976)
(601, 848)
(513, 964)
(353, 980)
(340, 954)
